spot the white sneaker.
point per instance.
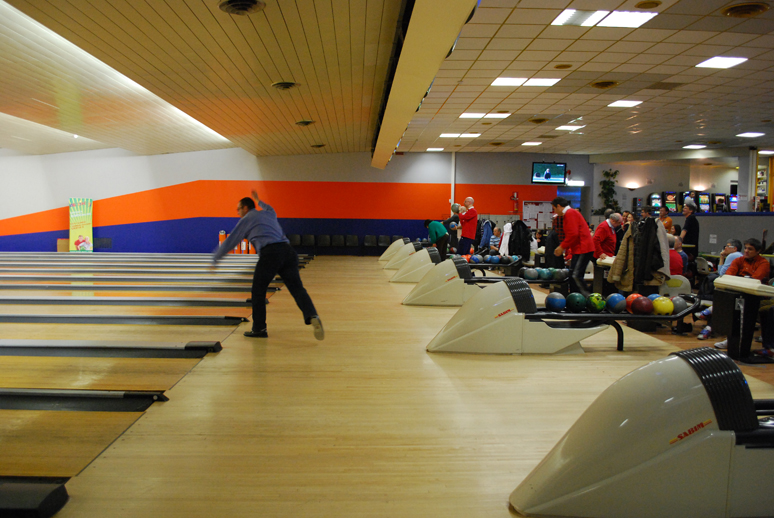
(722, 345)
(319, 333)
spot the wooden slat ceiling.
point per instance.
(219, 68)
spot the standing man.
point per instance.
(276, 256)
(604, 237)
(577, 239)
(690, 233)
(437, 236)
(663, 217)
(469, 220)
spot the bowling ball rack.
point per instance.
(613, 318)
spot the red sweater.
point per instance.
(758, 268)
(675, 263)
(577, 236)
(469, 222)
(604, 240)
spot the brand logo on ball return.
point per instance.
(504, 313)
(690, 431)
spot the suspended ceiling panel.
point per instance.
(655, 64)
(48, 81)
(219, 68)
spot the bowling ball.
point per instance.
(555, 301)
(616, 303)
(466, 257)
(631, 299)
(663, 306)
(521, 272)
(495, 259)
(679, 304)
(653, 296)
(487, 259)
(595, 303)
(544, 274)
(455, 208)
(530, 274)
(514, 258)
(566, 273)
(453, 250)
(576, 303)
(558, 275)
(642, 306)
(475, 258)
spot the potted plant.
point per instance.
(607, 192)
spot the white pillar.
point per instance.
(453, 180)
(748, 172)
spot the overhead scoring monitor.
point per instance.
(550, 173)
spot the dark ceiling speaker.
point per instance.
(562, 66)
(746, 10)
(305, 122)
(496, 143)
(538, 120)
(242, 7)
(283, 85)
(318, 146)
(648, 4)
(604, 85)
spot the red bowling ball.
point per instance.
(631, 298)
(642, 306)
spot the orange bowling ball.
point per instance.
(630, 299)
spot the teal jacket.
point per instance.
(436, 231)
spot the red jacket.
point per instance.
(604, 240)
(577, 236)
(469, 222)
(675, 263)
(758, 268)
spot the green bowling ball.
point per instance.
(595, 303)
(557, 274)
(544, 274)
(576, 303)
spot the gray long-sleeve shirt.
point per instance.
(260, 227)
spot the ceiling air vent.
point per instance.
(242, 7)
(604, 85)
(304, 122)
(496, 143)
(283, 85)
(652, 4)
(538, 120)
(562, 66)
(318, 146)
(745, 10)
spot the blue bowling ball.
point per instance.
(653, 296)
(616, 303)
(514, 258)
(555, 301)
(545, 273)
(487, 259)
(495, 259)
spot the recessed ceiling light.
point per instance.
(469, 115)
(435, 149)
(751, 134)
(570, 128)
(628, 19)
(721, 62)
(766, 152)
(695, 146)
(450, 135)
(497, 115)
(624, 104)
(541, 81)
(470, 135)
(577, 17)
(594, 19)
(531, 143)
(509, 81)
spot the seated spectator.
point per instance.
(679, 250)
(675, 260)
(676, 229)
(494, 241)
(732, 251)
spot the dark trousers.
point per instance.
(464, 246)
(578, 270)
(442, 245)
(278, 258)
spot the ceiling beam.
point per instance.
(431, 33)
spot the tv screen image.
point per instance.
(543, 172)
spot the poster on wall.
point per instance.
(81, 236)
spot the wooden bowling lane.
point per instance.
(112, 332)
(39, 443)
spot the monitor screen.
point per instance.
(670, 200)
(543, 172)
(704, 202)
(732, 202)
(654, 200)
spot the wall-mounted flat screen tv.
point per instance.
(551, 173)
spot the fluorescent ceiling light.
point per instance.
(624, 104)
(751, 134)
(694, 146)
(450, 135)
(470, 135)
(581, 18)
(766, 152)
(570, 128)
(626, 19)
(721, 62)
(531, 143)
(472, 115)
(497, 115)
(435, 149)
(541, 81)
(509, 81)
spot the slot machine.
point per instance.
(733, 202)
(682, 196)
(719, 203)
(654, 200)
(670, 200)
(704, 202)
(636, 206)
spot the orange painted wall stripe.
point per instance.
(46, 221)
